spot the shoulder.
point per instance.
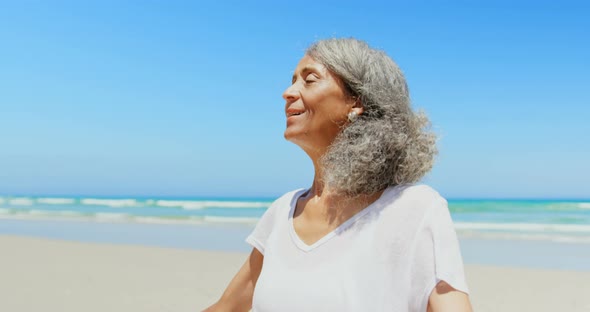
(288, 198)
(274, 217)
(409, 206)
(284, 202)
(416, 195)
(420, 190)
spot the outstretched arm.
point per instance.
(238, 294)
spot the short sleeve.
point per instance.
(447, 254)
(437, 256)
(267, 223)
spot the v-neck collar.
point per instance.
(307, 248)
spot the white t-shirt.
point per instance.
(387, 257)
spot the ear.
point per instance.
(357, 106)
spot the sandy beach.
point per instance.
(54, 275)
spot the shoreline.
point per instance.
(495, 251)
(40, 274)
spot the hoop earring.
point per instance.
(352, 116)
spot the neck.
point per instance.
(329, 204)
(322, 192)
(318, 185)
(326, 201)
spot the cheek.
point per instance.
(335, 109)
(324, 106)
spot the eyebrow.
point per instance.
(307, 68)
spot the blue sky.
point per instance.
(184, 98)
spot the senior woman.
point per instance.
(363, 237)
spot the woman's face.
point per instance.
(316, 106)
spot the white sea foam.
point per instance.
(56, 201)
(36, 212)
(215, 219)
(110, 217)
(45, 215)
(524, 227)
(194, 205)
(553, 237)
(157, 220)
(20, 201)
(188, 205)
(154, 220)
(195, 220)
(567, 206)
(110, 202)
(2, 200)
(70, 213)
(40, 213)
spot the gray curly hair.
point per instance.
(388, 144)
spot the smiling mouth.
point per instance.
(294, 112)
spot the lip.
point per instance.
(293, 112)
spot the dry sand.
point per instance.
(51, 275)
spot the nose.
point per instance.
(291, 94)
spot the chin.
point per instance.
(293, 135)
(288, 135)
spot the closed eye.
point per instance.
(311, 78)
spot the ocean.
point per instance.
(565, 220)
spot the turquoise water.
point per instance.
(555, 220)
